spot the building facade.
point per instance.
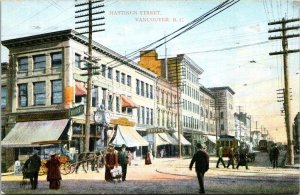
(46, 77)
(224, 110)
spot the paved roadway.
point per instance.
(171, 176)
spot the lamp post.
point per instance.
(102, 118)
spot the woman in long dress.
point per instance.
(111, 161)
(148, 158)
(53, 175)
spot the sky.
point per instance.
(232, 47)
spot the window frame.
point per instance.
(20, 95)
(56, 63)
(20, 65)
(35, 62)
(40, 93)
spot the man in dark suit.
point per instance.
(202, 165)
(33, 165)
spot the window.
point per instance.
(222, 127)
(123, 78)
(222, 115)
(142, 88)
(56, 60)
(138, 116)
(129, 111)
(147, 116)
(3, 97)
(117, 76)
(137, 87)
(109, 72)
(151, 91)
(147, 90)
(129, 80)
(103, 71)
(39, 62)
(110, 101)
(143, 115)
(151, 116)
(117, 103)
(95, 96)
(23, 64)
(56, 88)
(39, 93)
(77, 60)
(22, 96)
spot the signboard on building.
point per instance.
(122, 121)
(78, 110)
(157, 130)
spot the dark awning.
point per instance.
(23, 134)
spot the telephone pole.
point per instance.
(284, 38)
(87, 13)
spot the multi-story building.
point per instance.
(182, 72)
(163, 136)
(208, 118)
(45, 79)
(224, 110)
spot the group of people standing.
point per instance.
(32, 166)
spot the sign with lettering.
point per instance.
(78, 110)
(157, 130)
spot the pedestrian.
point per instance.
(148, 158)
(33, 164)
(111, 161)
(202, 165)
(242, 159)
(162, 153)
(220, 154)
(275, 154)
(53, 174)
(231, 158)
(129, 158)
(123, 160)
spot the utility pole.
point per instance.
(178, 110)
(87, 13)
(239, 117)
(287, 109)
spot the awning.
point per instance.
(183, 141)
(25, 133)
(80, 90)
(129, 136)
(212, 138)
(164, 139)
(127, 102)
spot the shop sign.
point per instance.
(157, 130)
(78, 110)
(122, 121)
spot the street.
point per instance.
(172, 176)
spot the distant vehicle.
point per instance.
(227, 142)
(264, 145)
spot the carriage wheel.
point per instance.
(65, 168)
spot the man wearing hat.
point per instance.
(111, 161)
(33, 164)
(123, 160)
(202, 165)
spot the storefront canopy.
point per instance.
(164, 139)
(25, 133)
(127, 102)
(212, 138)
(80, 90)
(129, 136)
(183, 141)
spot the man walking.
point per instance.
(275, 154)
(33, 164)
(123, 160)
(220, 154)
(202, 165)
